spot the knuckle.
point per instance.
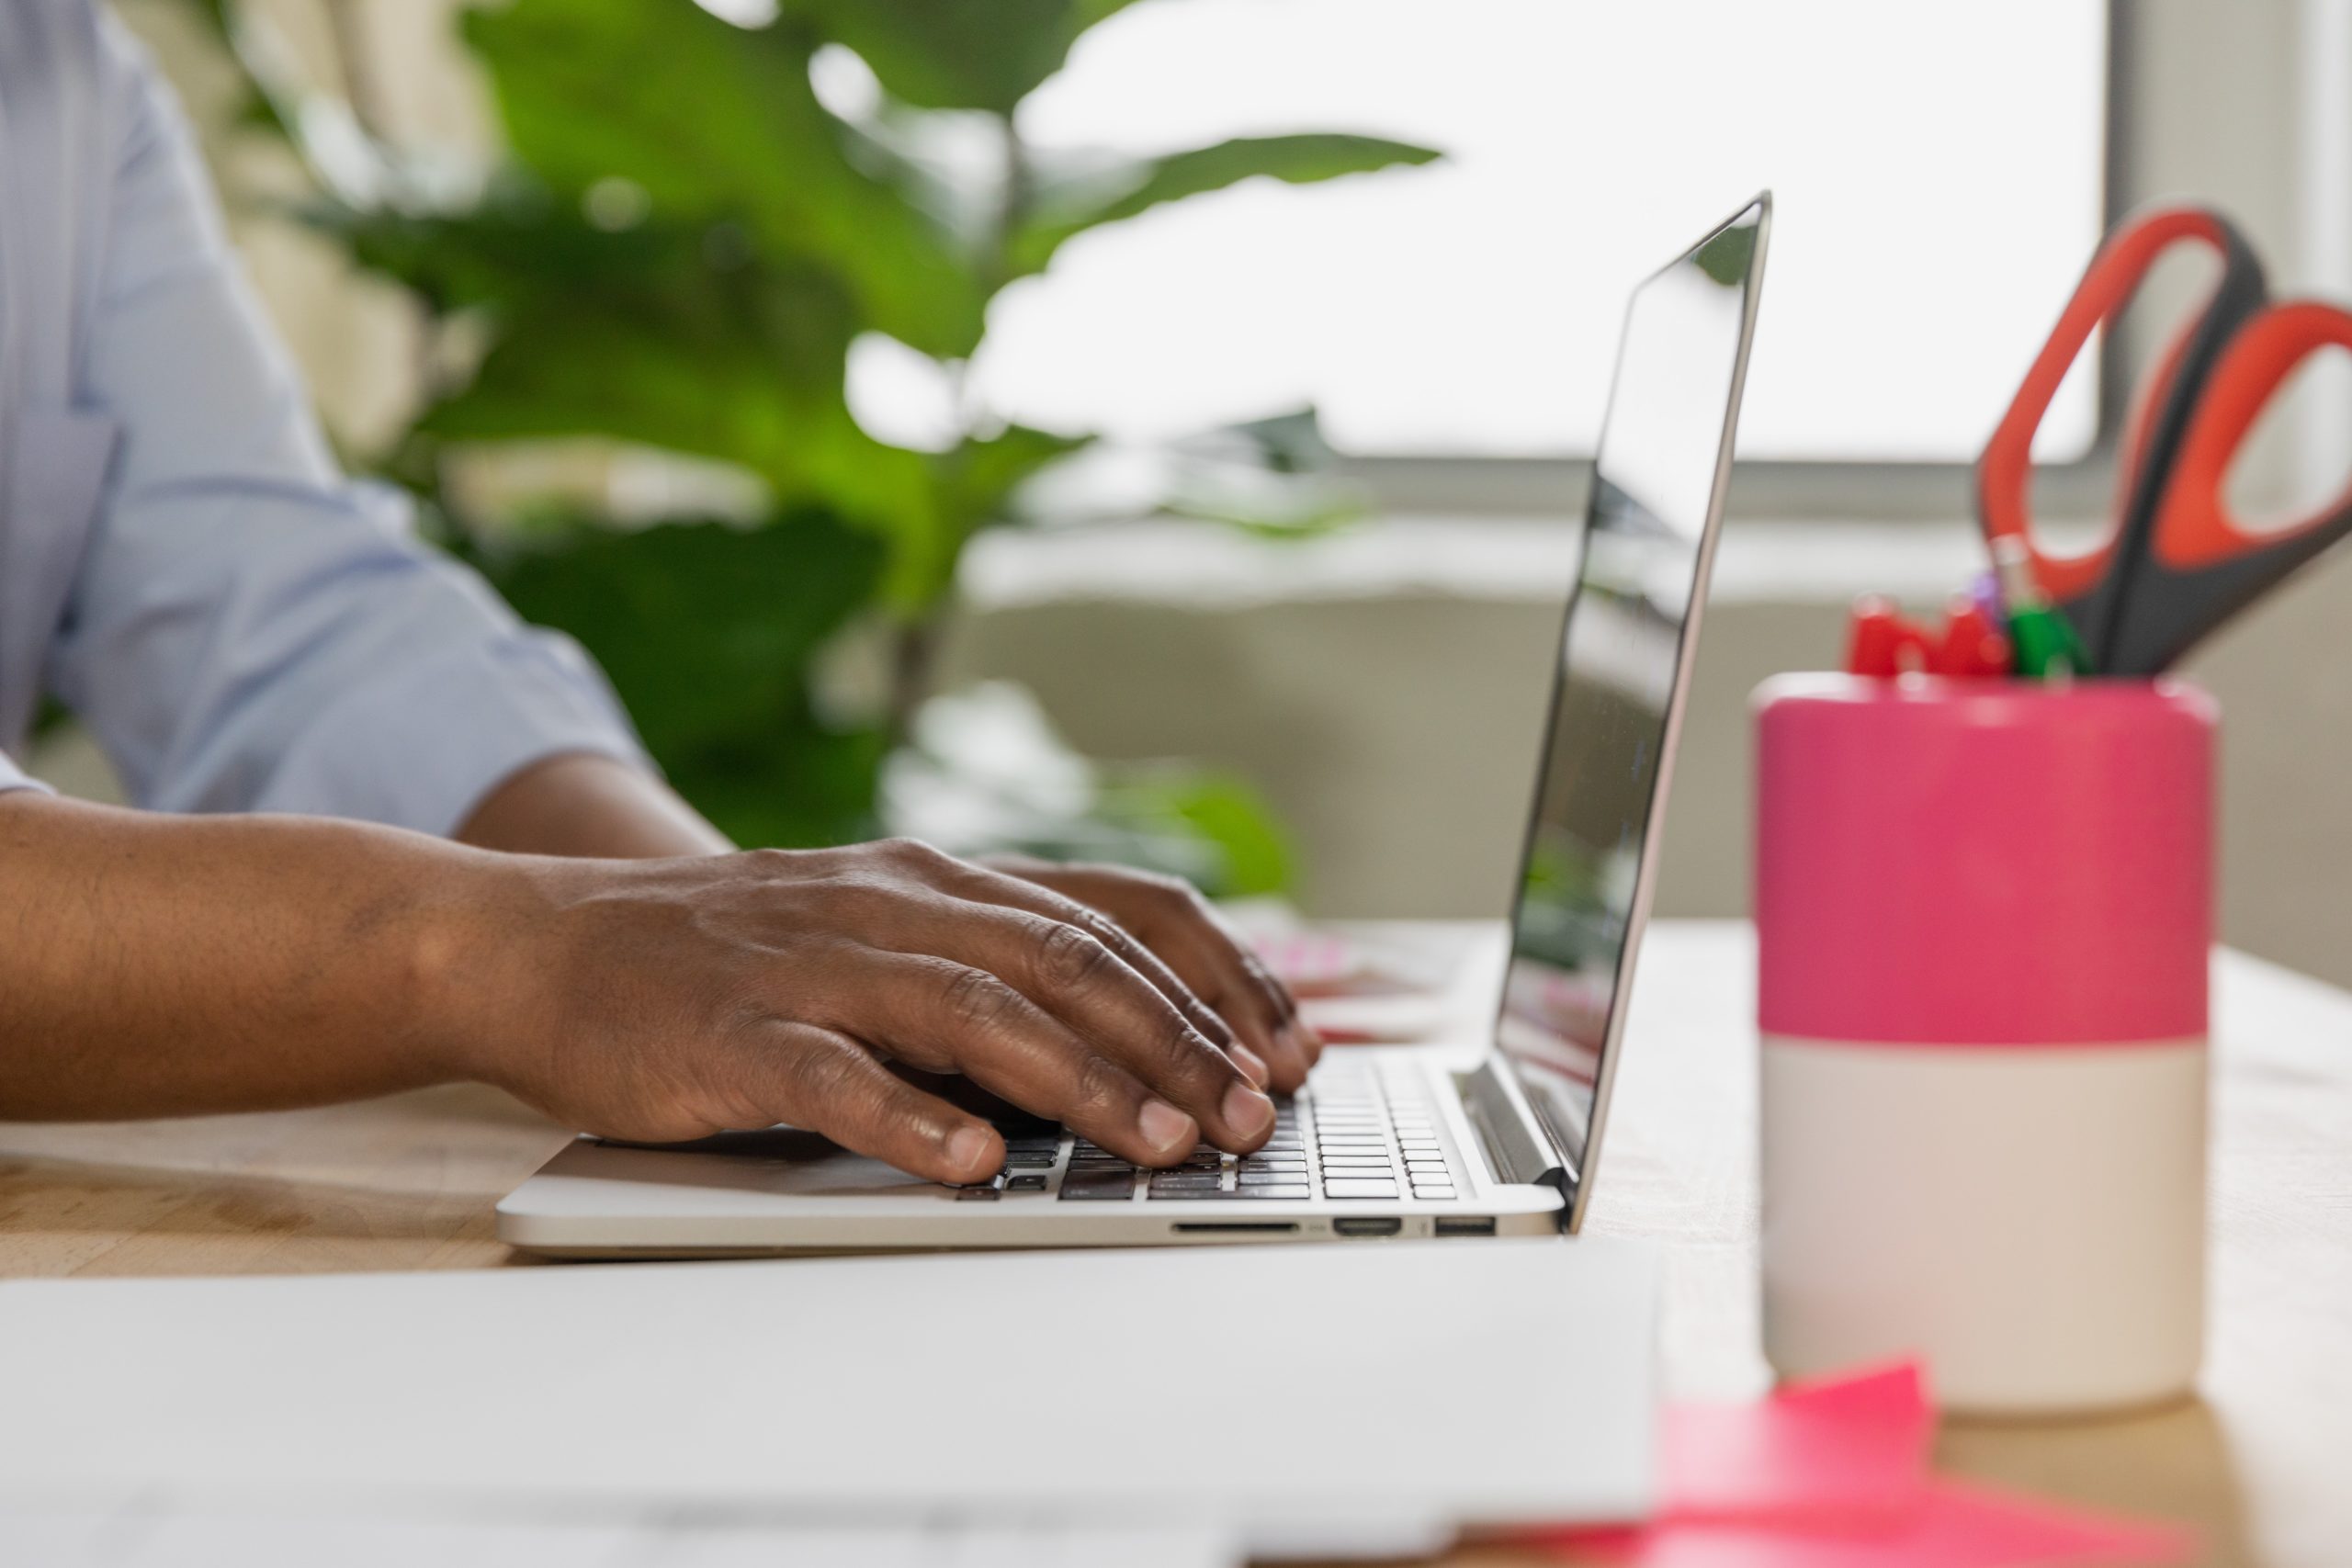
(848, 1094)
(826, 1071)
(1194, 1057)
(1103, 928)
(1071, 959)
(769, 865)
(1271, 996)
(1098, 1087)
(977, 1001)
(1173, 894)
(914, 854)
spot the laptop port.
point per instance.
(1367, 1226)
(1466, 1225)
(1234, 1227)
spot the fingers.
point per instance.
(1181, 928)
(936, 1012)
(828, 1083)
(1104, 1010)
(1019, 893)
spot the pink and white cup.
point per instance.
(1984, 918)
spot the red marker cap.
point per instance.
(1881, 643)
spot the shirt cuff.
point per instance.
(421, 747)
(13, 777)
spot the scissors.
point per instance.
(2178, 562)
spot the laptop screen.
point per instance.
(1649, 528)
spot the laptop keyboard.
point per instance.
(1353, 1132)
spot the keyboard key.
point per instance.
(1349, 1187)
(1026, 1184)
(975, 1194)
(1030, 1159)
(1271, 1177)
(1295, 1191)
(1087, 1187)
(1434, 1194)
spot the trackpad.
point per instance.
(785, 1160)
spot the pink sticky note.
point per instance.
(1952, 1527)
(1852, 1451)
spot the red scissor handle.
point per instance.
(2202, 564)
(2080, 585)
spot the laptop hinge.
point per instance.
(1518, 1146)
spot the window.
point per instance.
(1939, 172)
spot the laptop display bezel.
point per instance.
(1578, 1175)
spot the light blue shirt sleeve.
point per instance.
(248, 630)
(13, 777)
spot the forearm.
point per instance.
(589, 805)
(160, 966)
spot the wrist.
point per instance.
(480, 982)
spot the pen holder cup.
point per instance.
(1984, 921)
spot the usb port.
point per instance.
(1367, 1226)
(1466, 1225)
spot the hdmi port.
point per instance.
(1367, 1226)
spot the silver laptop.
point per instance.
(1496, 1139)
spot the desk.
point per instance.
(2262, 1464)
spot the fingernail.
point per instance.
(967, 1150)
(1249, 1062)
(1165, 1127)
(1247, 1111)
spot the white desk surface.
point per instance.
(2262, 1462)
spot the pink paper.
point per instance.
(1844, 1453)
(1833, 1474)
(1952, 1527)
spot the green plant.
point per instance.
(677, 252)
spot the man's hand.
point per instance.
(664, 1000)
(1169, 917)
(160, 965)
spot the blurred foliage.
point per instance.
(676, 252)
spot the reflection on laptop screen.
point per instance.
(1645, 534)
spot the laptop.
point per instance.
(1498, 1138)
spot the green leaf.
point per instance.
(714, 121)
(801, 784)
(707, 632)
(1297, 160)
(652, 343)
(515, 244)
(705, 629)
(972, 486)
(978, 478)
(957, 54)
(1251, 853)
